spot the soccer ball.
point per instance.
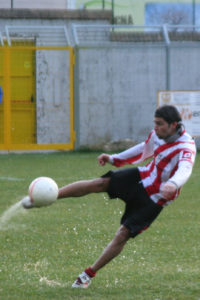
(43, 191)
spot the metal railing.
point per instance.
(43, 35)
(107, 34)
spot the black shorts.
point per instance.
(140, 210)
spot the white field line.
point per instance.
(3, 178)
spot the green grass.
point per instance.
(43, 250)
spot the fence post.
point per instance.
(167, 50)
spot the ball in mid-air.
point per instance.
(43, 191)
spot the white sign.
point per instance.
(188, 104)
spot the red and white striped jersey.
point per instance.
(170, 161)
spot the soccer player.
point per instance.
(144, 189)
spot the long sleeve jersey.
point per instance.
(169, 162)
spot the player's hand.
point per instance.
(168, 190)
(103, 159)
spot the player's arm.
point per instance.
(122, 158)
(104, 159)
(133, 155)
(129, 156)
(181, 176)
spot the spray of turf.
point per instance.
(11, 212)
(41, 267)
(5, 219)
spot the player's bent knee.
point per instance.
(123, 234)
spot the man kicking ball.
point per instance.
(144, 189)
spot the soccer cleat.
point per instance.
(83, 281)
(27, 203)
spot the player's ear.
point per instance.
(174, 124)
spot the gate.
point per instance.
(37, 108)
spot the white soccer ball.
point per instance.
(43, 191)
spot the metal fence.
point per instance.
(42, 35)
(108, 34)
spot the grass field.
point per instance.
(43, 250)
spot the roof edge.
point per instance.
(81, 14)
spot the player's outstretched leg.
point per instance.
(111, 251)
(84, 187)
(76, 189)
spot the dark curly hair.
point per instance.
(170, 114)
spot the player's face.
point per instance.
(164, 129)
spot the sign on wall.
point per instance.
(188, 104)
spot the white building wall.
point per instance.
(37, 4)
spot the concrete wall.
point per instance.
(118, 92)
(184, 66)
(118, 88)
(53, 96)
